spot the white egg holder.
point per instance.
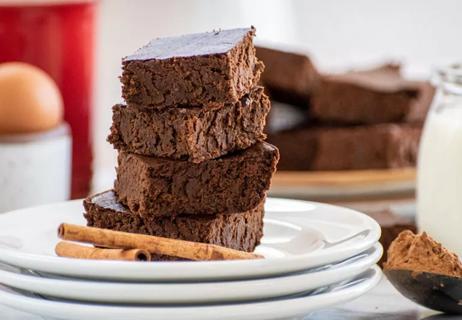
(35, 168)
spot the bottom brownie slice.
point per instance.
(240, 231)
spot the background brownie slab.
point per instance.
(348, 148)
(160, 186)
(195, 69)
(367, 147)
(370, 97)
(241, 231)
(297, 148)
(288, 77)
(194, 134)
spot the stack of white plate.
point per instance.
(316, 255)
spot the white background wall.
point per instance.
(337, 34)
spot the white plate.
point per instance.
(270, 309)
(295, 234)
(186, 293)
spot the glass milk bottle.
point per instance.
(439, 182)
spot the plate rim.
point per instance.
(344, 178)
(76, 289)
(88, 268)
(283, 307)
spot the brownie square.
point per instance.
(240, 231)
(370, 97)
(348, 148)
(230, 184)
(289, 77)
(195, 69)
(194, 134)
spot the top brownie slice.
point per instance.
(196, 69)
(372, 96)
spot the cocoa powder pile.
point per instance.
(420, 253)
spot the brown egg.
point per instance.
(30, 100)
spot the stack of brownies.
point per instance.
(192, 162)
(369, 119)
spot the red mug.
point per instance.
(58, 37)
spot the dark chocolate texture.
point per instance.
(194, 134)
(230, 184)
(198, 69)
(240, 231)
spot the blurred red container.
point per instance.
(58, 36)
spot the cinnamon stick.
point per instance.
(156, 245)
(72, 250)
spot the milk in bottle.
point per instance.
(439, 182)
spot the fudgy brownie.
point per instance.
(194, 134)
(289, 77)
(195, 69)
(370, 97)
(348, 148)
(230, 184)
(241, 231)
